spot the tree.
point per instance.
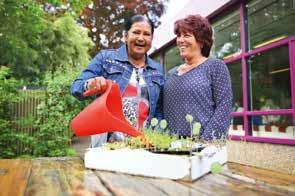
(21, 26)
(65, 44)
(34, 41)
(60, 7)
(38, 35)
(105, 18)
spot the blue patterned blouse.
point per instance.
(205, 93)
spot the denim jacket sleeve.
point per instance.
(94, 69)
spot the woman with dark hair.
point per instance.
(140, 78)
(201, 87)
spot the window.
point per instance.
(235, 70)
(268, 57)
(260, 35)
(270, 21)
(172, 58)
(273, 126)
(270, 84)
(226, 35)
(236, 127)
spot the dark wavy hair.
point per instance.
(199, 27)
(138, 18)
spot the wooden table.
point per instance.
(67, 176)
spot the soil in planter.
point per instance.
(176, 151)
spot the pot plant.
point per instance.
(158, 153)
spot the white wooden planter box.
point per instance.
(145, 163)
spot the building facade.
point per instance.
(256, 39)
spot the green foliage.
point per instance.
(65, 44)
(9, 137)
(154, 139)
(189, 118)
(216, 168)
(159, 140)
(73, 7)
(67, 55)
(21, 25)
(32, 43)
(55, 113)
(196, 128)
(154, 122)
(163, 124)
(151, 140)
(8, 96)
(108, 18)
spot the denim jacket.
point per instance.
(114, 65)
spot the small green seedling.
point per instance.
(163, 124)
(154, 122)
(196, 128)
(216, 168)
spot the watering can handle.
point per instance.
(91, 92)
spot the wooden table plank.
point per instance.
(208, 186)
(123, 184)
(261, 176)
(67, 176)
(52, 176)
(14, 174)
(171, 187)
(224, 185)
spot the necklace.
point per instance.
(182, 69)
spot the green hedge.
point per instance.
(10, 139)
(55, 112)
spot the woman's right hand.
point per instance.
(97, 85)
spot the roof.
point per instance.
(164, 33)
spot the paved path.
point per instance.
(80, 144)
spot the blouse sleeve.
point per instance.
(222, 97)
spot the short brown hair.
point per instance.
(199, 27)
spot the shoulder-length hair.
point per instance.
(200, 28)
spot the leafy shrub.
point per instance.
(10, 139)
(55, 113)
(66, 56)
(33, 42)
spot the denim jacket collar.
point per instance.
(123, 56)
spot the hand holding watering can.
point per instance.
(96, 85)
(105, 113)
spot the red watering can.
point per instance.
(103, 115)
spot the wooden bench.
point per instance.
(67, 176)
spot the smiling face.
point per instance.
(188, 45)
(139, 39)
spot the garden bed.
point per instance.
(145, 163)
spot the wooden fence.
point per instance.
(25, 113)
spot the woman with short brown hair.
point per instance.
(201, 87)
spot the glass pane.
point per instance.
(236, 127)
(270, 20)
(270, 80)
(235, 70)
(172, 58)
(273, 126)
(226, 34)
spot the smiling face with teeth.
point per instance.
(139, 40)
(194, 35)
(188, 46)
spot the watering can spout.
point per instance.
(103, 115)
